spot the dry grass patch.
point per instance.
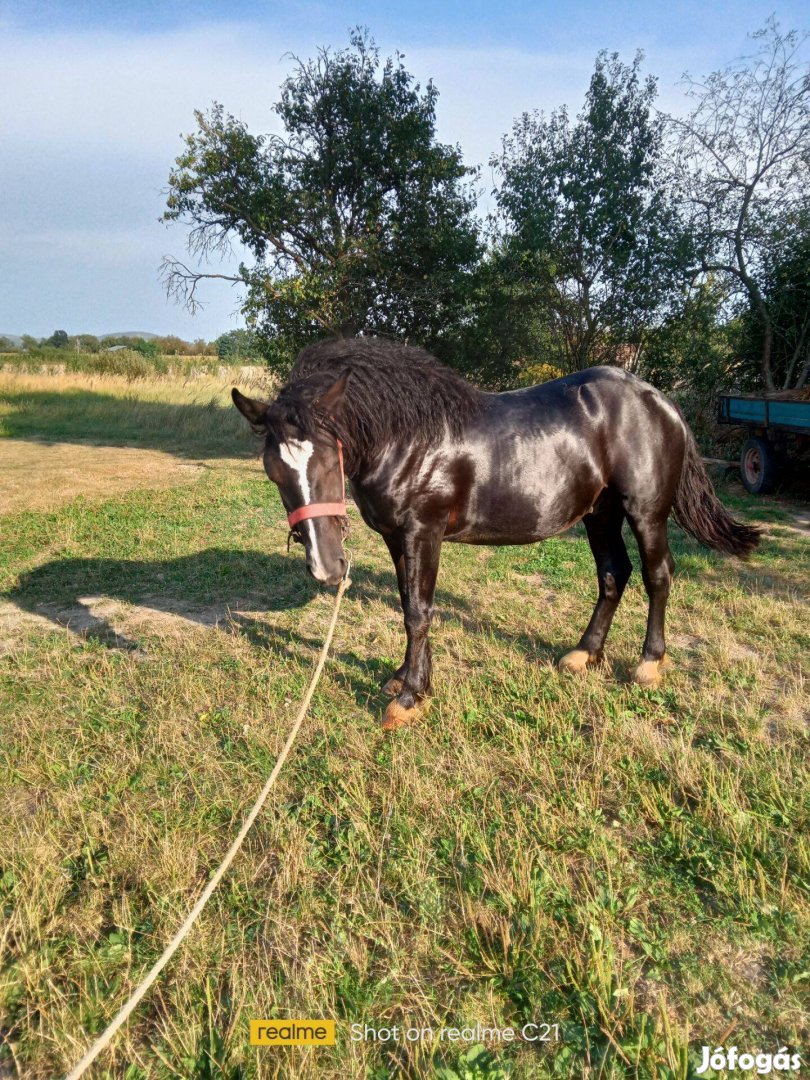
(41, 476)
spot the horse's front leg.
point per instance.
(396, 548)
(421, 565)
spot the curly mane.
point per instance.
(391, 389)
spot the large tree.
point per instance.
(696, 349)
(743, 158)
(357, 218)
(504, 335)
(589, 223)
(58, 340)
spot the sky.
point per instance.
(95, 96)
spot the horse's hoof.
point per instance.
(648, 673)
(577, 661)
(393, 688)
(396, 716)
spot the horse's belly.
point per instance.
(517, 517)
(509, 533)
(494, 539)
(534, 508)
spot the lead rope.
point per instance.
(111, 1030)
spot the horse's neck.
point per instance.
(380, 467)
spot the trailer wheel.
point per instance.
(759, 465)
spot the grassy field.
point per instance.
(632, 866)
(127, 363)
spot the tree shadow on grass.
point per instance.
(778, 567)
(202, 429)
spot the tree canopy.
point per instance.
(58, 340)
(356, 217)
(588, 223)
(674, 246)
(783, 279)
(238, 345)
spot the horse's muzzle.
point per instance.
(330, 579)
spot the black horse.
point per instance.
(431, 459)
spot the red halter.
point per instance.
(311, 510)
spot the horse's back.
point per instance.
(597, 428)
(598, 397)
(567, 387)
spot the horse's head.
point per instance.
(304, 460)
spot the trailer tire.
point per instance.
(759, 465)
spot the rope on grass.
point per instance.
(121, 1018)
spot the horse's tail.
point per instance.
(698, 510)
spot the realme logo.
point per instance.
(292, 1032)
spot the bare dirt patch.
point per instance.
(739, 651)
(687, 642)
(38, 475)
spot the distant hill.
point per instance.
(130, 334)
(16, 339)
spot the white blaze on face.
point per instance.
(295, 456)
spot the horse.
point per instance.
(431, 459)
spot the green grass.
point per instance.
(630, 865)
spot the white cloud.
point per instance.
(127, 92)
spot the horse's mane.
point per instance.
(391, 389)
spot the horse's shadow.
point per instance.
(235, 590)
(221, 587)
(238, 590)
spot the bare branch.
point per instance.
(180, 282)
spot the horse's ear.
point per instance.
(253, 411)
(330, 399)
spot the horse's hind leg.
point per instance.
(657, 566)
(613, 568)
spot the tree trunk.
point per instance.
(761, 309)
(797, 352)
(767, 350)
(754, 292)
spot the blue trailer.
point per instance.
(777, 427)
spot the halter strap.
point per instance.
(333, 509)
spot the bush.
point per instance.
(534, 372)
(149, 349)
(127, 362)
